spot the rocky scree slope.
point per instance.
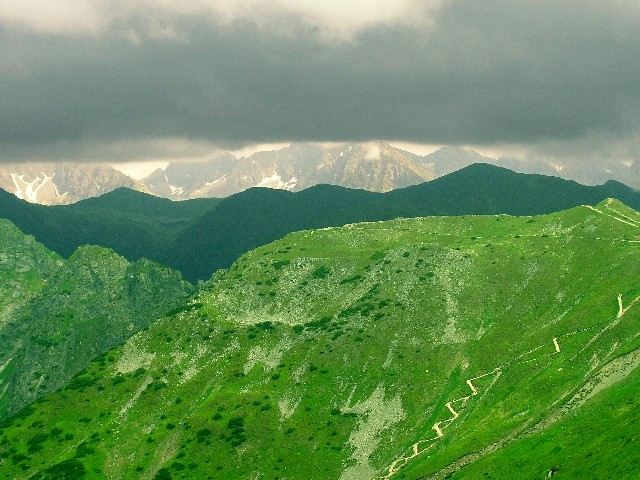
(414, 348)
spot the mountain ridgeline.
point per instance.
(198, 237)
(62, 183)
(375, 166)
(256, 216)
(56, 315)
(441, 347)
(132, 223)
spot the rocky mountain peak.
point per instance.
(61, 183)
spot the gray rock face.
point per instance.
(449, 159)
(59, 184)
(374, 166)
(582, 171)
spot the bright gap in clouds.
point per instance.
(261, 147)
(417, 148)
(139, 170)
(334, 18)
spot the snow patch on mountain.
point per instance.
(176, 191)
(275, 181)
(32, 191)
(222, 178)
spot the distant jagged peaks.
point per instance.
(61, 183)
(451, 158)
(374, 166)
(583, 171)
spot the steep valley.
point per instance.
(438, 347)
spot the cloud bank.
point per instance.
(100, 79)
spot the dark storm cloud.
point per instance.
(483, 72)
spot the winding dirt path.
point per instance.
(624, 310)
(440, 425)
(2, 367)
(634, 221)
(620, 308)
(424, 444)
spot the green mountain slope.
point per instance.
(133, 224)
(415, 348)
(24, 265)
(57, 315)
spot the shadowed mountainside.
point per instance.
(132, 223)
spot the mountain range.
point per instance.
(63, 183)
(374, 166)
(442, 347)
(200, 236)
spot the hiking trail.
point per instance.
(423, 445)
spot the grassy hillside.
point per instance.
(24, 266)
(59, 314)
(470, 347)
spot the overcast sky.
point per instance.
(118, 80)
